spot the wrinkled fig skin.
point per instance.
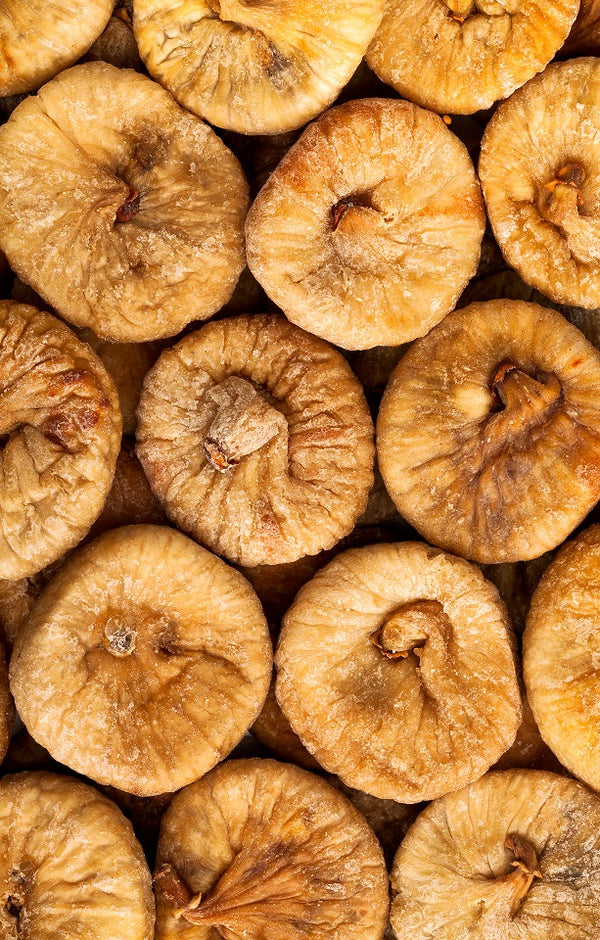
(257, 439)
(584, 38)
(40, 38)
(514, 856)
(144, 662)
(7, 711)
(488, 435)
(460, 56)
(262, 849)
(542, 194)
(370, 227)
(161, 201)
(60, 427)
(70, 865)
(560, 656)
(395, 668)
(264, 67)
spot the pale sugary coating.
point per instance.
(61, 428)
(368, 230)
(40, 38)
(70, 866)
(514, 856)
(7, 711)
(488, 435)
(258, 68)
(395, 668)
(122, 210)
(461, 56)
(257, 439)
(539, 163)
(561, 656)
(144, 662)
(262, 849)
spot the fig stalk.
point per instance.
(408, 628)
(560, 202)
(525, 870)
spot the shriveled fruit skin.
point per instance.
(276, 852)
(411, 716)
(454, 876)
(539, 163)
(257, 68)
(257, 439)
(70, 865)
(40, 38)
(144, 662)
(7, 711)
(584, 38)
(461, 56)
(488, 436)
(368, 230)
(60, 421)
(560, 656)
(154, 238)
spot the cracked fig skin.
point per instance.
(60, 427)
(263, 849)
(396, 670)
(488, 436)
(144, 662)
(122, 210)
(70, 866)
(370, 227)
(257, 439)
(539, 168)
(255, 66)
(514, 856)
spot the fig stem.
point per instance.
(408, 628)
(130, 208)
(525, 869)
(517, 391)
(243, 423)
(175, 890)
(559, 203)
(460, 10)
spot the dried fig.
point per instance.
(514, 855)
(40, 38)
(256, 68)
(516, 582)
(154, 238)
(370, 227)
(528, 750)
(584, 38)
(538, 169)
(70, 865)
(144, 662)
(261, 849)
(7, 712)
(144, 813)
(461, 56)
(60, 429)
(274, 732)
(117, 44)
(488, 435)
(395, 668)
(257, 439)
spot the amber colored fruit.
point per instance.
(257, 439)
(539, 163)
(370, 227)
(584, 38)
(40, 38)
(154, 238)
(514, 855)
(262, 67)
(488, 435)
(144, 662)
(70, 866)
(460, 56)
(261, 849)
(144, 813)
(396, 670)
(60, 428)
(117, 44)
(7, 712)
(561, 656)
(274, 732)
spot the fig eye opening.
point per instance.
(407, 629)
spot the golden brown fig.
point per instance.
(273, 731)
(154, 238)
(539, 178)
(70, 865)
(7, 712)
(584, 38)
(257, 439)
(60, 427)
(144, 662)
(40, 38)
(144, 813)
(488, 435)
(395, 668)
(261, 849)
(263, 67)
(117, 44)
(560, 656)
(462, 55)
(370, 227)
